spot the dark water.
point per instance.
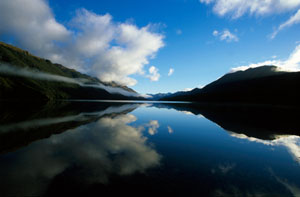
(145, 149)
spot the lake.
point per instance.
(145, 148)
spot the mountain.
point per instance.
(162, 96)
(159, 96)
(261, 85)
(22, 77)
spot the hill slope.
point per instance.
(261, 85)
(17, 86)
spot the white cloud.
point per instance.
(226, 35)
(118, 62)
(295, 19)
(291, 64)
(95, 32)
(93, 43)
(33, 25)
(238, 8)
(153, 74)
(171, 71)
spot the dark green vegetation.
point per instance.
(14, 87)
(261, 85)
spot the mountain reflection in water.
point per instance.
(88, 148)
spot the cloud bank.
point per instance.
(91, 43)
(290, 64)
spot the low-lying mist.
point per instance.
(29, 73)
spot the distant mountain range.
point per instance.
(27, 77)
(24, 76)
(261, 85)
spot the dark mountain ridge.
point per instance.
(261, 85)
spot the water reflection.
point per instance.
(81, 148)
(295, 190)
(262, 122)
(170, 130)
(291, 142)
(249, 120)
(91, 153)
(153, 125)
(81, 117)
(23, 123)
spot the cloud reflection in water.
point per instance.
(291, 142)
(99, 150)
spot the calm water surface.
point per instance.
(99, 148)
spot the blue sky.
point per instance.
(182, 32)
